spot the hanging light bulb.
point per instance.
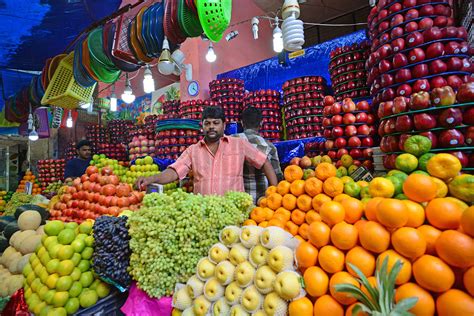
(211, 55)
(87, 105)
(30, 121)
(277, 38)
(165, 65)
(255, 23)
(148, 82)
(33, 136)
(69, 122)
(127, 95)
(113, 100)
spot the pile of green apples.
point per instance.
(59, 277)
(119, 168)
(251, 271)
(143, 167)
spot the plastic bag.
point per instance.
(140, 304)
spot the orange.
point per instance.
(331, 259)
(292, 173)
(342, 278)
(444, 166)
(371, 208)
(409, 242)
(262, 202)
(283, 187)
(425, 304)
(316, 281)
(318, 234)
(283, 212)
(443, 213)
(392, 213)
(276, 222)
(455, 248)
(362, 259)
(339, 198)
(359, 224)
(281, 217)
(263, 224)
(468, 280)
(300, 239)
(405, 273)
(258, 214)
(301, 307)
(467, 221)
(303, 231)
(289, 202)
(313, 186)
(274, 201)
(297, 217)
(268, 213)
(353, 208)
(270, 190)
(304, 202)
(420, 188)
(416, 214)
(319, 200)
(349, 311)
(454, 302)
(433, 274)
(333, 186)
(312, 216)
(306, 255)
(297, 187)
(249, 222)
(381, 187)
(430, 235)
(327, 305)
(374, 237)
(344, 236)
(325, 170)
(332, 213)
(291, 227)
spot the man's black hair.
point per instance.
(83, 143)
(252, 117)
(213, 112)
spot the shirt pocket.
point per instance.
(232, 164)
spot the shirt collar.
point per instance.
(224, 138)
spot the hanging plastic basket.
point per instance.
(215, 17)
(63, 90)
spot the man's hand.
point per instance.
(143, 182)
(167, 176)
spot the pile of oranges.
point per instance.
(29, 177)
(431, 236)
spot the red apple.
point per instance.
(421, 85)
(451, 138)
(336, 108)
(454, 64)
(350, 130)
(468, 117)
(341, 152)
(336, 120)
(403, 75)
(414, 39)
(385, 50)
(363, 130)
(420, 100)
(397, 32)
(420, 70)
(435, 50)
(384, 66)
(340, 142)
(433, 138)
(394, 8)
(328, 100)
(440, 21)
(361, 117)
(367, 153)
(466, 93)
(348, 119)
(425, 23)
(432, 34)
(398, 44)
(401, 142)
(426, 10)
(329, 144)
(450, 118)
(410, 27)
(400, 105)
(396, 20)
(424, 121)
(388, 94)
(462, 156)
(387, 80)
(348, 105)
(416, 55)
(454, 81)
(354, 141)
(462, 33)
(469, 135)
(438, 82)
(452, 48)
(411, 14)
(399, 60)
(355, 153)
(337, 131)
(443, 96)
(404, 123)
(438, 66)
(367, 142)
(363, 106)
(409, 3)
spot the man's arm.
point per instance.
(167, 176)
(270, 173)
(69, 170)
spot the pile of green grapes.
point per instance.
(171, 232)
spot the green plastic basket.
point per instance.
(215, 17)
(188, 21)
(104, 69)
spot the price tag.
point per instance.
(296, 54)
(154, 188)
(362, 174)
(29, 188)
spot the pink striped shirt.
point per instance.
(222, 172)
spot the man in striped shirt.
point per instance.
(254, 180)
(217, 161)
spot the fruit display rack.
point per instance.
(348, 129)
(96, 134)
(229, 94)
(141, 146)
(70, 151)
(113, 151)
(174, 136)
(170, 109)
(192, 109)
(303, 106)
(119, 131)
(50, 171)
(268, 102)
(347, 70)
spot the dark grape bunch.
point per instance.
(112, 252)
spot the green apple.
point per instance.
(238, 254)
(244, 273)
(194, 286)
(251, 299)
(201, 306)
(205, 269)
(280, 258)
(181, 299)
(232, 293)
(230, 235)
(274, 303)
(264, 278)
(287, 285)
(258, 255)
(213, 289)
(250, 235)
(221, 307)
(218, 253)
(224, 272)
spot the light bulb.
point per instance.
(33, 136)
(85, 105)
(211, 55)
(255, 22)
(127, 95)
(148, 82)
(277, 40)
(69, 122)
(113, 102)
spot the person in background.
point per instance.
(77, 167)
(254, 180)
(217, 161)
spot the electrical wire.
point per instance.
(304, 23)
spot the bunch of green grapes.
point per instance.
(171, 232)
